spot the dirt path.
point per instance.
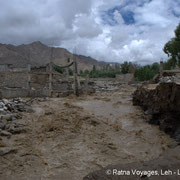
(67, 138)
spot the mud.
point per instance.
(166, 167)
(67, 138)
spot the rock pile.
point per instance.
(12, 106)
(10, 111)
(170, 79)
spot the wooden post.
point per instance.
(87, 82)
(66, 72)
(161, 68)
(29, 76)
(76, 91)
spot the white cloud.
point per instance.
(86, 27)
(98, 28)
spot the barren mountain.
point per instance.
(38, 54)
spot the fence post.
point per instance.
(87, 82)
(67, 71)
(29, 77)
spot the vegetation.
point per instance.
(106, 71)
(172, 49)
(58, 69)
(70, 71)
(128, 67)
(61, 70)
(146, 72)
(109, 70)
(125, 67)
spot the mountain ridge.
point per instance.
(38, 54)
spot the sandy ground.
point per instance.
(66, 138)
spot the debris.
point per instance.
(12, 105)
(5, 133)
(10, 111)
(169, 79)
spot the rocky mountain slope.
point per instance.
(38, 54)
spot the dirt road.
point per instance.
(66, 138)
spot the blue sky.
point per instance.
(108, 30)
(127, 15)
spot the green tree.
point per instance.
(172, 49)
(146, 72)
(168, 64)
(106, 71)
(155, 67)
(125, 67)
(58, 69)
(70, 72)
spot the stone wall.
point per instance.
(13, 80)
(39, 81)
(27, 82)
(36, 82)
(10, 68)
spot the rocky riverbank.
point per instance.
(161, 103)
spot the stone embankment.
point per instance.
(161, 102)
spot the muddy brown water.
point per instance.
(67, 138)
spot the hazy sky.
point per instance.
(108, 30)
